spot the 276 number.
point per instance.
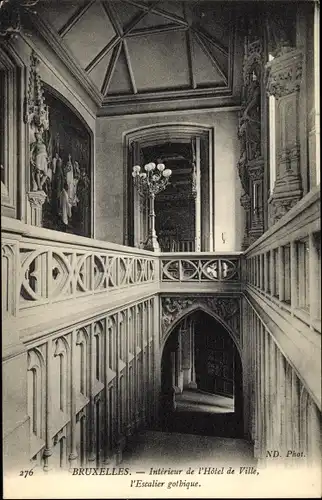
(26, 473)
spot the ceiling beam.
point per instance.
(109, 10)
(75, 18)
(211, 57)
(111, 68)
(111, 44)
(156, 10)
(129, 27)
(199, 30)
(158, 29)
(129, 66)
(187, 14)
(191, 59)
(114, 42)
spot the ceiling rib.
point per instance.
(187, 14)
(168, 22)
(190, 53)
(129, 65)
(156, 10)
(75, 18)
(135, 21)
(191, 59)
(154, 30)
(212, 59)
(211, 39)
(111, 68)
(109, 11)
(111, 44)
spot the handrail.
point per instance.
(293, 220)
(13, 226)
(203, 254)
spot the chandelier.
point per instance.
(151, 180)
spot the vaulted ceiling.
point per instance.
(132, 49)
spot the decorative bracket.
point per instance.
(284, 74)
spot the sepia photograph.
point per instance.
(161, 248)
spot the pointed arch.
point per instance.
(199, 306)
(234, 426)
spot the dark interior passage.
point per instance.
(201, 380)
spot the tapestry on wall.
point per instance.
(68, 202)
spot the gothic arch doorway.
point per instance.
(201, 379)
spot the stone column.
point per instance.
(73, 455)
(188, 356)
(173, 369)
(36, 201)
(156, 355)
(179, 383)
(193, 383)
(284, 82)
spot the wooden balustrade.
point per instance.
(200, 267)
(283, 265)
(201, 272)
(281, 336)
(43, 270)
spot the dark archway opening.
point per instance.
(183, 210)
(201, 380)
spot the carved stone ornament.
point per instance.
(290, 159)
(279, 207)
(194, 180)
(245, 201)
(173, 307)
(10, 16)
(253, 57)
(249, 129)
(36, 201)
(36, 112)
(37, 116)
(256, 170)
(284, 74)
(36, 198)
